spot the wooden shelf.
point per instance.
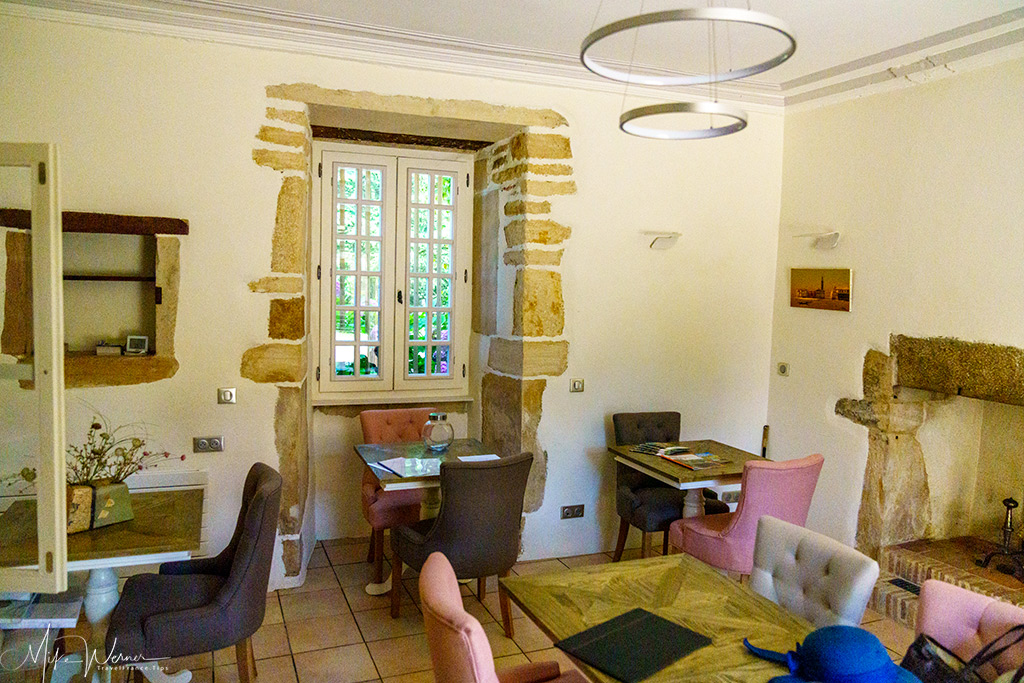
(109, 223)
(110, 278)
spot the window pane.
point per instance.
(344, 357)
(440, 326)
(370, 256)
(439, 361)
(417, 360)
(442, 258)
(371, 221)
(424, 188)
(346, 219)
(345, 255)
(418, 326)
(368, 326)
(445, 221)
(443, 190)
(368, 361)
(369, 290)
(372, 181)
(345, 290)
(441, 291)
(344, 326)
(346, 183)
(418, 292)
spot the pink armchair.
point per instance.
(458, 645)
(780, 489)
(387, 509)
(964, 621)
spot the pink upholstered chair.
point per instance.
(780, 489)
(964, 621)
(458, 645)
(387, 509)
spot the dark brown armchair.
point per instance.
(209, 603)
(477, 527)
(642, 501)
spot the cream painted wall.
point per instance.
(926, 185)
(165, 126)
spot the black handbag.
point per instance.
(932, 663)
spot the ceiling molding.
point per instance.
(244, 25)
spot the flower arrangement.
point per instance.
(110, 454)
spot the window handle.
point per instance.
(399, 296)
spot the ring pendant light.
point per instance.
(626, 121)
(711, 14)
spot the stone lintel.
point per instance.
(536, 230)
(548, 188)
(473, 110)
(989, 372)
(270, 363)
(281, 161)
(540, 146)
(538, 309)
(450, 407)
(274, 284)
(525, 358)
(87, 370)
(295, 116)
(533, 257)
(288, 250)
(520, 207)
(290, 438)
(287, 318)
(16, 337)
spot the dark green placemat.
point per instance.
(634, 645)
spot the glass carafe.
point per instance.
(438, 433)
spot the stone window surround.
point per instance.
(510, 389)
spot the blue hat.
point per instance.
(837, 654)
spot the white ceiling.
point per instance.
(842, 44)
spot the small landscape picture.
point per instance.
(823, 288)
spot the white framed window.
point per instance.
(392, 274)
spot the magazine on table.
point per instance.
(659, 448)
(697, 461)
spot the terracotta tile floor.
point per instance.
(330, 630)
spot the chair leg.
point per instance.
(396, 585)
(369, 549)
(645, 545)
(481, 588)
(378, 556)
(246, 661)
(621, 543)
(664, 544)
(506, 609)
(137, 676)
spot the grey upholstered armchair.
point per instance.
(642, 501)
(477, 527)
(210, 603)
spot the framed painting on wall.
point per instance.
(822, 288)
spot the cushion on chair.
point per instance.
(397, 425)
(811, 575)
(148, 595)
(658, 507)
(385, 509)
(964, 621)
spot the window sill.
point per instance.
(394, 398)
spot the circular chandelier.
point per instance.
(739, 117)
(727, 15)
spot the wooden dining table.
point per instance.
(678, 588)
(727, 475)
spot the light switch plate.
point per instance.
(575, 385)
(226, 395)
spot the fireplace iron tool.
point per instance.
(1017, 569)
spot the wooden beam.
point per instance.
(109, 223)
(328, 133)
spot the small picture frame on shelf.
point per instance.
(136, 345)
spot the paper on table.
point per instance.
(478, 458)
(413, 467)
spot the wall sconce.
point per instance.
(822, 240)
(662, 240)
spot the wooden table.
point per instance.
(372, 453)
(167, 527)
(691, 481)
(679, 588)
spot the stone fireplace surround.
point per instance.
(897, 504)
